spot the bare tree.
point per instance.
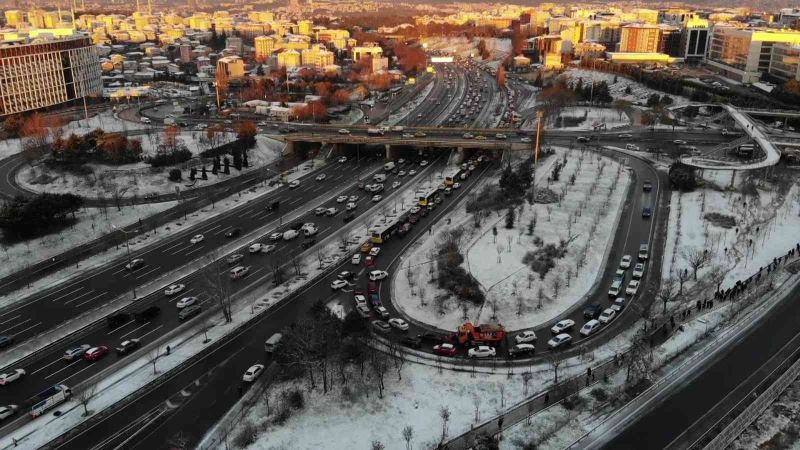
(667, 292)
(556, 285)
(84, 395)
(519, 305)
(278, 273)
(296, 265)
(408, 434)
(377, 445)
(697, 259)
(380, 366)
(526, 379)
(152, 358)
(539, 297)
(320, 256)
(717, 275)
(683, 277)
(555, 358)
(118, 195)
(444, 413)
(639, 359)
(218, 286)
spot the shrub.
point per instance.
(295, 398)
(169, 158)
(682, 176)
(28, 217)
(721, 220)
(175, 175)
(247, 435)
(283, 414)
(599, 394)
(573, 402)
(543, 259)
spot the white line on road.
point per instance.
(88, 366)
(91, 299)
(61, 369)
(119, 328)
(133, 330)
(89, 292)
(67, 294)
(148, 272)
(9, 320)
(6, 331)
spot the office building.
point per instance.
(639, 39)
(785, 62)
(744, 54)
(694, 39)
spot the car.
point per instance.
(356, 259)
(128, 346)
(590, 327)
(185, 301)
(412, 342)
(423, 163)
(647, 186)
(346, 275)
(625, 262)
(444, 349)
(482, 351)
(380, 325)
(500, 136)
(234, 232)
(562, 326)
(12, 376)
(619, 275)
(376, 275)
(398, 323)
(616, 287)
(412, 172)
(338, 284)
(679, 142)
(647, 212)
(320, 211)
(583, 139)
(341, 199)
(369, 261)
(75, 352)
(408, 136)
(239, 272)
(525, 337)
(619, 304)
(414, 210)
(352, 199)
(276, 236)
(234, 258)
(625, 136)
(196, 239)
(294, 183)
(342, 159)
(396, 184)
(330, 212)
(189, 312)
(420, 134)
(350, 206)
(288, 235)
(480, 138)
(638, 271)
(268, 248)
(343, 131)
(632, 147)
(559, 340)
(255, 248)
(363, 310)
(468, 135)
(633, 287)
(374, 251)
(360, 299)
(134, 264)
(174, 289)
(526, 140)
(321, 177)
(365, 247)
(644, 252)
(7, 411)
(382, 312)
(592, 311)
(95, 353)
(117, 320)
(607, 316)
(376, 198)
(456, 185)
(520, 350)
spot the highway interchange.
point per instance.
(226, 361)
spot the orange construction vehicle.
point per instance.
(486, 334)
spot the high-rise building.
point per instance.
(230, 68)
(639, 39)
(785, 62)
(265, 45)
(371, 49)
(669, 41)
(305, 27)
(185, 53)
(694, 39)
(744, 54)
(47, 71)
(289, 59)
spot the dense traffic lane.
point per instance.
(48, 367)
(44, 310)
(220, 372)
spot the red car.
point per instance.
(369, 261)
(372, 287)
(444, 349)
(95, 353)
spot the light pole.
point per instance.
(128, 248)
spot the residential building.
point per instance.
(289, 59)
(234, 43)
(14, 18)
(230, 68)
(639, 39)
(371, 49)
(265, 45)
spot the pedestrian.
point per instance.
(500, 423)
(588, 371)
(168, 349)
(546, 398)
(14, 440)
(698, 304)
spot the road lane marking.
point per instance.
(26, 329)
(180, 242)
(119, 328)
(9, 320)
(6, 331)
(184, 248)
(69, 293)
(89, 292)
(193, 251)
(151, 331)
(88, 366)
(91, 299)
(208, 230)
(63, 368)
(59, 360)
(148, 272)
(133, 331)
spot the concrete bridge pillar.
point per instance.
(733, 178)
(458, 157)
(289, 148)
(389, 153)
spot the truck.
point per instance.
(375, 131)
(50, 397)
(485, 334)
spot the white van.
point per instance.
(272, 343)
(388, 166)
(379, 177)
(615, 289)
(288, 235)
(239, 272)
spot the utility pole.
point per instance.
(539, 117)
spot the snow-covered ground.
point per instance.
(777, 426)
(606, 118)
(92, 223)
(770, 218)
(464, 48)
(639, 92)
(139, 179)
(520, 297)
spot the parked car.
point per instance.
(444, 349)
(482, 351)
(562, 326)
(128, 346)
(525, 337)
(559, 340)
(520, 350)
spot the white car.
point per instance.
(76, 352)
(376, 198)
(402, 173)
(618, 304)
(174, 289)
(423, 163)
(399, 323)
(356, 259)
(7, 411)
(562, 326)
(186, 301)
(196, 239)
(341, 199)
(339, 284)
(353, 199)
(342, 159)
(525, 140)
(288, 235)
(293, 184)
(267, 248)
(412, 172)
(374, 251)
(607, 315)
(638, 270)
(559, 341)
(331, 212)
(633, 287)
(320, 211)
(255, 248)
(482, 351)
(625, 262)
(679, 142)
(625, 136)
(414, 210)
(360, 299)
(525, 337)
(456, 185)
(376, 275)
(396, 185)
(382, 312)
(343, 131)
(321, 177)
(14, 375)
(253, 372)
(590, 327)
(350, 206)
(276, 236)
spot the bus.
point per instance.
(746, 150)
(384, 232)
(428, 197)
(50, 397)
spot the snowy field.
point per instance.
(639, 92)
(515, 294)
(606, 118)
(769, 215)
(92, 223)
(139, 179)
